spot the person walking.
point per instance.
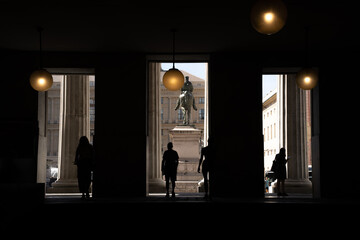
(84, 159)
(169, 168)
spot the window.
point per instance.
(201, 100)
(202, 114)
(264, 135)
(274, 130)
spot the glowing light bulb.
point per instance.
(41, 81)
(173, 79)
(307, 78)
(268, 17)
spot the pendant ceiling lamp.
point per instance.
(268, 16)
(173, 79)
(307, 77)
(41, 80)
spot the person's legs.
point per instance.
(278, 187)
(173, 185)
(87, 184)
(206, 183)
(283, 188)
(80, 176)
(167, 184)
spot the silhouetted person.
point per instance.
(280, 173)
(169, 167)
(84, 159)
(208, 154)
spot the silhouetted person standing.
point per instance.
(169, 167)
(208, 154)
(280, 173)
(84, 159)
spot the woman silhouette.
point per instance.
(280, 173)
(84, 159)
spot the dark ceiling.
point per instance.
(114, 26)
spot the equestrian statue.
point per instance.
(186, 101)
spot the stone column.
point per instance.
(74, 123)
(296, 140)
(155, 182)
(42, 144)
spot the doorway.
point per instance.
(165, 124)
(287, 122)
(64, 116)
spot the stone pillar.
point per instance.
(74, 123)
(154, 175)
(296, 139)
(42, 144)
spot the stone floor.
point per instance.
(154, 215)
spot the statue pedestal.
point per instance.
(186, 141)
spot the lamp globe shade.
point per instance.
(173, 79)
(307, 78)
(41, 80)
(268, 16)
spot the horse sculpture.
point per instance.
(186, 101)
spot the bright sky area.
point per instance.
(269, 83)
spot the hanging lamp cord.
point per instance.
(40, 29)
(173, 30)
(307, 47)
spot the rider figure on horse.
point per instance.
(186, 100)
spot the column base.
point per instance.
(303, 186)
(156, 185)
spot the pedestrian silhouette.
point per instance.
(169, 167)
(280, 172)
(84, 159)
(206, 164)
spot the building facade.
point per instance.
(270, 128)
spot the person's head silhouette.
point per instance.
(84, 140)
(282, 151)
(170, 145)
(210, 141)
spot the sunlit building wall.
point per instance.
(270, 128)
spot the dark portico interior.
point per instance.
(116, 39)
